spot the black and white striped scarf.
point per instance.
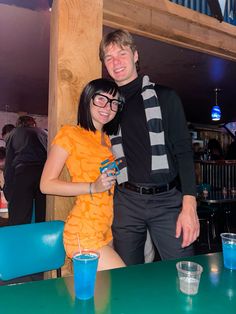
(159, 162)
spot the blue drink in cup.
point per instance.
(85, 266)
(229, 249)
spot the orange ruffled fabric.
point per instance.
(91, 218)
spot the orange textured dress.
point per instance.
(91, 218)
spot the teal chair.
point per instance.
(31, 248)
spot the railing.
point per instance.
(201, 6)
(218, 174)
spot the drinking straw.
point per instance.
(78, 243)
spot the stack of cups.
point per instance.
(85, 265)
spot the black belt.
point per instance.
(148, 189)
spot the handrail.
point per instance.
(219, 174)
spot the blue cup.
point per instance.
(85, 266)
(203, 186)
(229, 249)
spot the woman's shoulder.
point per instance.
(66, 132)
(70, 130)
(67, 136)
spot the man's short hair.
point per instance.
(119, 37)
(7, 128)
(25, 121)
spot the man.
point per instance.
(26, 153)
(155, 147)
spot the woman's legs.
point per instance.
(109, 259)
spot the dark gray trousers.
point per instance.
(135, 213)
(24, 191)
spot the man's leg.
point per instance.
(129, 226)
(164, 209)
(40, 198)
(21, 201)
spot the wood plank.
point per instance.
(73, 56)
(173, 24)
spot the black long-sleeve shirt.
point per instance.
(136, 142)
(25, 146)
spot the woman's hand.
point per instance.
(104, 182)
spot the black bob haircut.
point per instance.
(84, 114)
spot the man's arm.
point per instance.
(187, 222)
(8, 172)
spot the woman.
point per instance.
(82, 148)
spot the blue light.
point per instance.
(215, 113)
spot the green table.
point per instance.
(141, 289)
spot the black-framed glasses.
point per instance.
(101, 101)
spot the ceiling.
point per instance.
(24, 66)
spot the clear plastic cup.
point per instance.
(85, 268)
(229, 249)
(189, 274)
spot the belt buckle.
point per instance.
(150, 190)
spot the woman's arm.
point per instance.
(51, 184)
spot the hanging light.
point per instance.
(215, 111)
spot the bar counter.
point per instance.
(141, 289)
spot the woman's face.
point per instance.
(103, 108)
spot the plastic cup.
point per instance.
(229, 249)
(85, 266)
(189, 274)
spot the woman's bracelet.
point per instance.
(90, 190)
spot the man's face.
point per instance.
(120, 63)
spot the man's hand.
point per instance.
(187, 221)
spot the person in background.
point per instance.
(82, 148)
(26, 153)
(215, 151)
(155, 143)
(197, 152)
(6, 130)
(231, 153)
